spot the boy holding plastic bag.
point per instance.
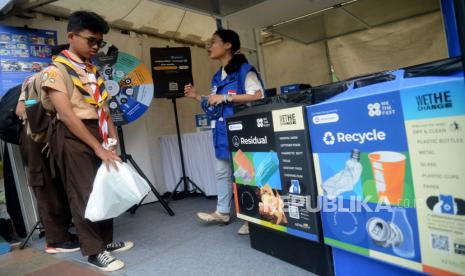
(84, 123)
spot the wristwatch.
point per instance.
(229, 98)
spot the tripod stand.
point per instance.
(125, 157)
(184, 179)
(29, 235)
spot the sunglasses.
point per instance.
(92, 41)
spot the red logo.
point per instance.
(233, 92)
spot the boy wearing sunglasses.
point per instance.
(80, 138)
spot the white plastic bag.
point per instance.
(114, 192)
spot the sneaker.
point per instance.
(244, 230)
(119, 246)
(62, 247)
(215, 217)
(105, 262)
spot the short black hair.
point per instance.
(59, 48)
(84, 20)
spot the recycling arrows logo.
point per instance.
(328, 138)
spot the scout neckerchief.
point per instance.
(99, 95)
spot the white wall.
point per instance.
(142, 136)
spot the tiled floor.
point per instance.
(33, 262)
(164, 245)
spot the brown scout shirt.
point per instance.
(52, 78)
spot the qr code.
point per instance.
(173, 86)
(294, 212)
(440, 242)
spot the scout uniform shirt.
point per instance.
(53, 78)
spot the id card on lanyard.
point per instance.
(213, 122)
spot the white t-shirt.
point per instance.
(252, 84)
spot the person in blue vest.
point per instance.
(235, 82)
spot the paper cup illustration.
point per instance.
(389, 172)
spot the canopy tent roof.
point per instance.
(142, 16)
(349, 17)
(194, 21)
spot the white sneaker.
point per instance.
(105, 262)
(215, 217)
(244, 230)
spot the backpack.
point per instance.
(10, 124)
(41, 115)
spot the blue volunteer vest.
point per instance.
(233, 84)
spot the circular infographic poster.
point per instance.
(129, 84)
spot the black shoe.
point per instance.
(119, 246)
(73, 237)
(62, 247)
(105, 262)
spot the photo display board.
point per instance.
(23, 52)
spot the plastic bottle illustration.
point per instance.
(295, 187)
(406, 248)
(346, 179)
(446, 205)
